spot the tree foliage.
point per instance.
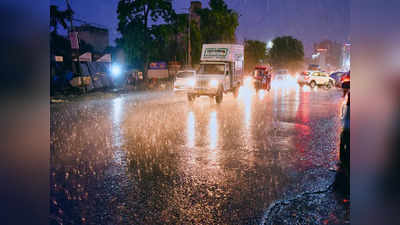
(219, 23)
(287, 52)
(58, 17)
(152, 31)
(181, 24)
(163, 44)
(254, 53)
(141, 35)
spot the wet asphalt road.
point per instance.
(154, 158)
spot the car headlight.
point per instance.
(214, 83)
(191, 82)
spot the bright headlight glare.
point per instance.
(191, 82)
(213, 83)
(115, 70)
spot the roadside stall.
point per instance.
(158, 75)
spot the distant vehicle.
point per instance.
(314, 67)
(337, 76)
(315, 78)
(221, 71)
(282, 74)
(184, 81)
(262, 78)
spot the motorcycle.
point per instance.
(262, 79)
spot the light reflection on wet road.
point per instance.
(154, 158)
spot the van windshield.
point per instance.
(184, 74)
(282, 72)
(212, 69)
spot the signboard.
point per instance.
(216, 53)
(222, 52)
(158, 66)
(157, 73)
(59, 58)
(158, 70)
(73, 37)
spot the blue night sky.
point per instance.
(308, 20)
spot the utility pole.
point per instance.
(189, 46)
(75, 48)
(188, 49)
(71, 31)
(69, 8)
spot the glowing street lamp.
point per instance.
(270, 44)
(116, 70)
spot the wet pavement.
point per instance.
(155, 158)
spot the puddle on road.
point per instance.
(204, 163)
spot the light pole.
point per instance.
(189, 44)
(188, 49)
(74, 48)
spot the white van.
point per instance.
(221, 71)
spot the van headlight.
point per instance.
(191, 82)
(214, 83)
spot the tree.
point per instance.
(287, 52)
(196, 42)
(163, 43)
(219, 23)
(58, 17)
(138, 36)
(181, 38)
(254, 53)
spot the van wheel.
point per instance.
(329, 85)
(190, 98)
(219, 97)
(235, 92)
(313, 84)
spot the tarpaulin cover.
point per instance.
(99, 72)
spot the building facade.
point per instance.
(328, 55)
(95, 36)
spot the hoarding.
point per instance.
(158, 66)
(158, 70)
(73, 37)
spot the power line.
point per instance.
(74, 18)
(89, 23)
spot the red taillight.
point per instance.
(305, 73)
(345, 78)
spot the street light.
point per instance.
(116, 70)
(270, 44)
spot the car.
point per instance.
(315, 78)
(282, 74)
(184, 81)
(336, 76)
